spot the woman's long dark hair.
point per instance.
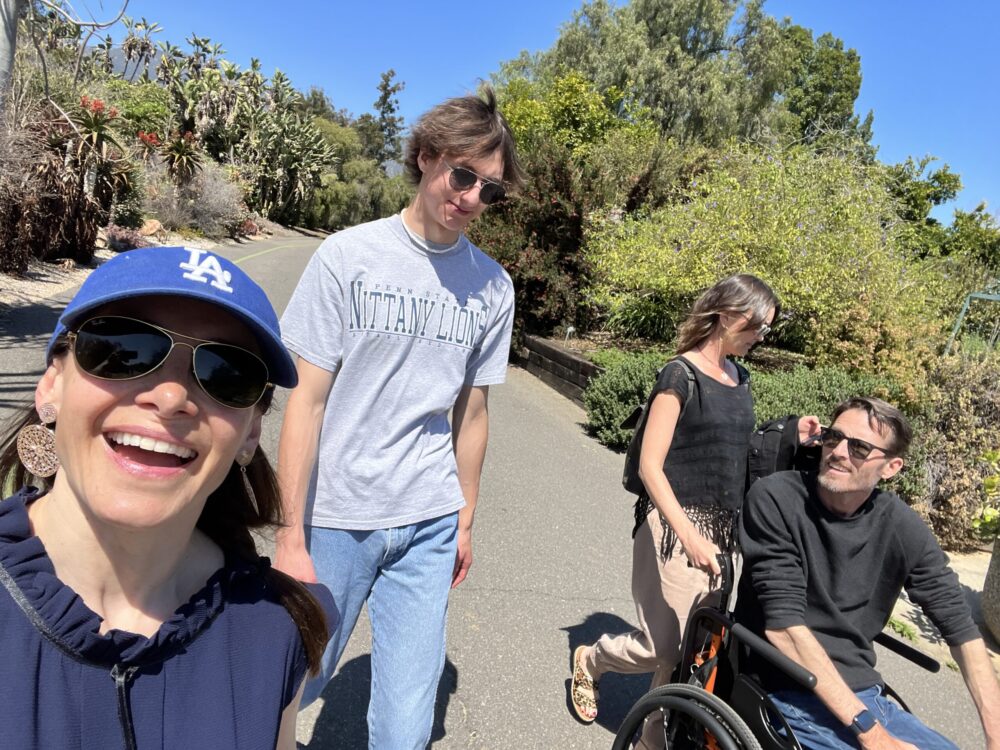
(227, 519)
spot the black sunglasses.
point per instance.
(856, 448)
(490, 192)
(116, 348)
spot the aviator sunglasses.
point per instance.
(761, 329)
(460, 178)
(857, 449)
(110, 347)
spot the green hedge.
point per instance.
(802, 390)
(611, 396)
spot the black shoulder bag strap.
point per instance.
(637, 419)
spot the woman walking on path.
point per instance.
(693, 465)
(135, 609)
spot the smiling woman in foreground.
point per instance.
(134, 607)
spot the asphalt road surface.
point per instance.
(551, 567)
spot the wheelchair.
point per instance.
(710, 705)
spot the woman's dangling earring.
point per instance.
(244, 460)
(36, 445)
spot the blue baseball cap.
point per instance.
(184, 272)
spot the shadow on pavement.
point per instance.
(618, 692)
(929, 632)
(343, 720)
(29, 320)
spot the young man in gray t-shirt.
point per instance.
(397, 323)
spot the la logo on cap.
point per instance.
(200, 268)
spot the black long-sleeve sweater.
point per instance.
(840, 577)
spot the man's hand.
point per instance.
(470, 429)
(294, 560)
(809, 427)
(877, 738)
(981, 680)
(297, 450)
(463, 557)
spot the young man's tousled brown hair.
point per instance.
(469, 126)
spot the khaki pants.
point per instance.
(665, 594)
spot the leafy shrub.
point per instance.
(611, 396)
(145, 106)
(608, 358)
(124, 238)
(816, 391)
(45, 213)
(190, 233)
(537, 234)
(363, 193)
(217, 201)
(986, 524)
(948, 476)
(126, 209)
(20, 150)
(209, 202)
(647, 316)
(820, 228)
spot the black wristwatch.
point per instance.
(863, 722)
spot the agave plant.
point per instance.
(182, 156)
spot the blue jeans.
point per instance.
(817, 729)
(404, 574)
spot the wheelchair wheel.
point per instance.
(693, 719)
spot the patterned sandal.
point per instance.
(583, 691)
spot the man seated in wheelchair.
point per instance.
(826, 554)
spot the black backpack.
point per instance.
(774, 446)
(637, 421)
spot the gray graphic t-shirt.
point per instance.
(403, 324)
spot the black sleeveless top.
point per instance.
(707, 461)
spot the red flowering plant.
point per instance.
(149, 143)
(95, 123)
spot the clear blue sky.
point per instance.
(930, 69)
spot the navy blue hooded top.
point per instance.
(217, 674)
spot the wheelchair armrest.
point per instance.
(756, 644)
(908, 652)
(765, 649)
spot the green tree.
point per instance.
(975, 235)
(823, 85)
(381, 132)
(317, 104)
(917, 190)
(705, 69)
(370, 134)
(343, 140)
(582, 150)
